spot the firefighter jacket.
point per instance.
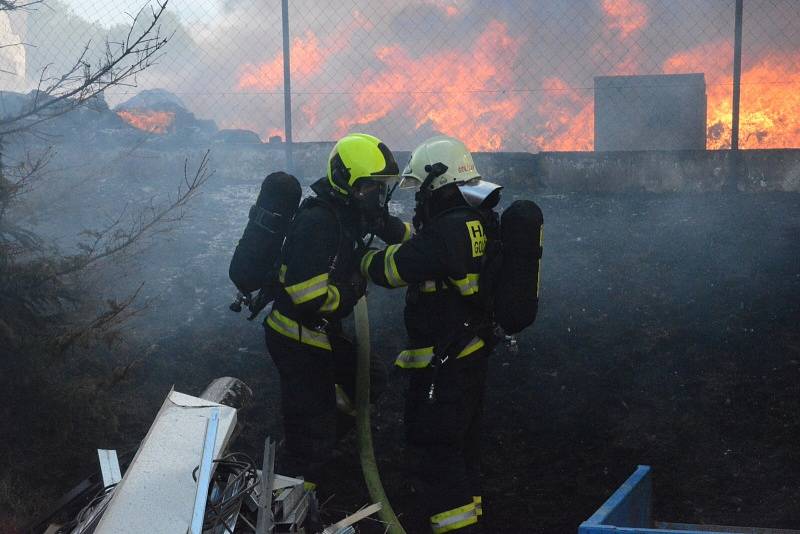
(441, 265)
(319, 272)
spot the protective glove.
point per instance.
(394, 231)
(376, 222)
(358, 283)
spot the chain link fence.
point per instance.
(517, 75)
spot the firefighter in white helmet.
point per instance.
(449, 334)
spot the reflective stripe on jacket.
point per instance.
(293, 330)
(318, 265)
(441, 266)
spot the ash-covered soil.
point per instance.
(668, 334)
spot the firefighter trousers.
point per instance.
(308, 402)
(443, 442)
(312, 424)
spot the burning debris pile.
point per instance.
(153, 115)
(161, 112)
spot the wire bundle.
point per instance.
(237, 470)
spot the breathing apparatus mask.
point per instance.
(424, 192)
(370, 197)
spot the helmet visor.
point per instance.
(477, 191)
(410, 182)
(371, 193)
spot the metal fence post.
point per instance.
(733, 179)
(287, 88)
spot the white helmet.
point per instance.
(461, 169)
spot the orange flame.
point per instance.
(449, 7)
(625, 16)
(273, 132)
(624, 21)
(311, 109)
(307, 59)
(463, 91)
(568, 118)
(150, 121)
(769, 102)
(473, 106)
(768, 106)
(568, 113)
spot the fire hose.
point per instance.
(363, 429)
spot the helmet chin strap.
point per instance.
(424, 194)
(390, 193)
(340, 179)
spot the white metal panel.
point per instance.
(204, 473)
(157, 493)
(109, 466)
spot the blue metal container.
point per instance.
(629, 511)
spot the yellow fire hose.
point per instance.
(366, 453)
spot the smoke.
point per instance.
(511, 76)
(639, 291)
(12, 57)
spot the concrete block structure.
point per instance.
(657, 112)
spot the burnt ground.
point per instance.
(668, 335)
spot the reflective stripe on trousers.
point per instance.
(455, 519)
(421, 357)
(293, 330)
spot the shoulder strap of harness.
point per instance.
(310, 202)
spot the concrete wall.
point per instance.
(667, 171)
(558, 172)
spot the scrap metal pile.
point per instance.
(183, 479)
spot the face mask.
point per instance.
(370, 195)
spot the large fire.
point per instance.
(455, 92)
(768, 105)
(307, 58)
(625, 16)
(768, 116)
(158, 122)
(478, 90)
(564, 128)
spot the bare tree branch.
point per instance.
(9, 45)
(147, 221)
(20, 179)
(60, 94)
(16, 5)
(116, 313)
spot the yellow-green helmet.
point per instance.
(359, 156)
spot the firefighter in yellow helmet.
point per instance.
(321, 282)
(450, 335)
